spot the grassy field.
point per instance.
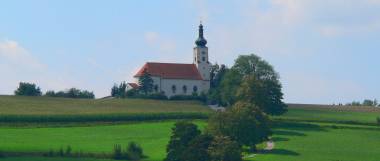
(17, 105)
(320, 113)
(305, 133)
(316, 142)
(153, 138)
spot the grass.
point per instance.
(320, 113)
(19, 105)
(318, 142)
(153, 138)
(50, 159)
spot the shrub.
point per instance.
(71, 93)
(134, 151)
(68, 150)
(2, 155)
(117, 152)
(378, 121)
(223, 148)
(28, 89)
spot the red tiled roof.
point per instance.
(171, 70)
(133, 85)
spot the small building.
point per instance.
(181, 79)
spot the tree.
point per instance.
(250, 71)
(146, 82)
(134, 151)
(182, 134)
(197, 149)
(115, 90)
(216, 75)
(28, 89)
(222, 148)
(244, 123)
(266, 95)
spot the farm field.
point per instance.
(341, 114)
(19, 105)
(295, 141)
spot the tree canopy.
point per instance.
(146, 82)
(28, 89)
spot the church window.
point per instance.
(195, 89)
(184, 88)
(155, 88)
(203, 59)
(203, 52)
(174, 88)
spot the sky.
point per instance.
(325, 51)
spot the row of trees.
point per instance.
(251, 91)
(31, 89)
(366, 102)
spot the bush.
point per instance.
(378, 121)
(134, 151)
(2, 155)
(27, 89)
(223, 148)
(202, 97)
(71, 93)
(117, 152)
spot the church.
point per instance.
(180, 79)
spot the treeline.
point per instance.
(31, 89)
(366, 102)
(132, 152)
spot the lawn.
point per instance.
(18, 105)
(320, 113)
(318, 142)
(153, 138)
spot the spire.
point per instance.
(201, 41)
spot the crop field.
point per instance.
(305, 133)
(338, 114)
(18, 105)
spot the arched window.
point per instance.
(184, 88)
(195, 89)
(203, 58)
(155, 88)
(174, 88)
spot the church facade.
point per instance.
(181, 79)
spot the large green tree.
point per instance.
(244, 123)
(254, 80)
(222, 148)
(182, 135)
(146, 82)
(28, 89)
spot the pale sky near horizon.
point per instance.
(325, 51)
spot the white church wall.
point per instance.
(167, 84)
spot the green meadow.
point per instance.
(305, 133)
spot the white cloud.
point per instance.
(12, 52)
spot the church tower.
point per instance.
(201, 56)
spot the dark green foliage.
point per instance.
(197, 149)
(135, 94)
(243, 123)
(253, 79)
(378, 121)
(216, 76)
(117, 152)
(60, 152)
(182, 134)
(2, 155)
(28, 89)
(202, 97)
(146, 82)
(71, 93)
(100, 118)
(68, 150)
(224, 149)
(119, 91)
(134, 152)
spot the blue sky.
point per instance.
(325, 51)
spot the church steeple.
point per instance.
(201, 41)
